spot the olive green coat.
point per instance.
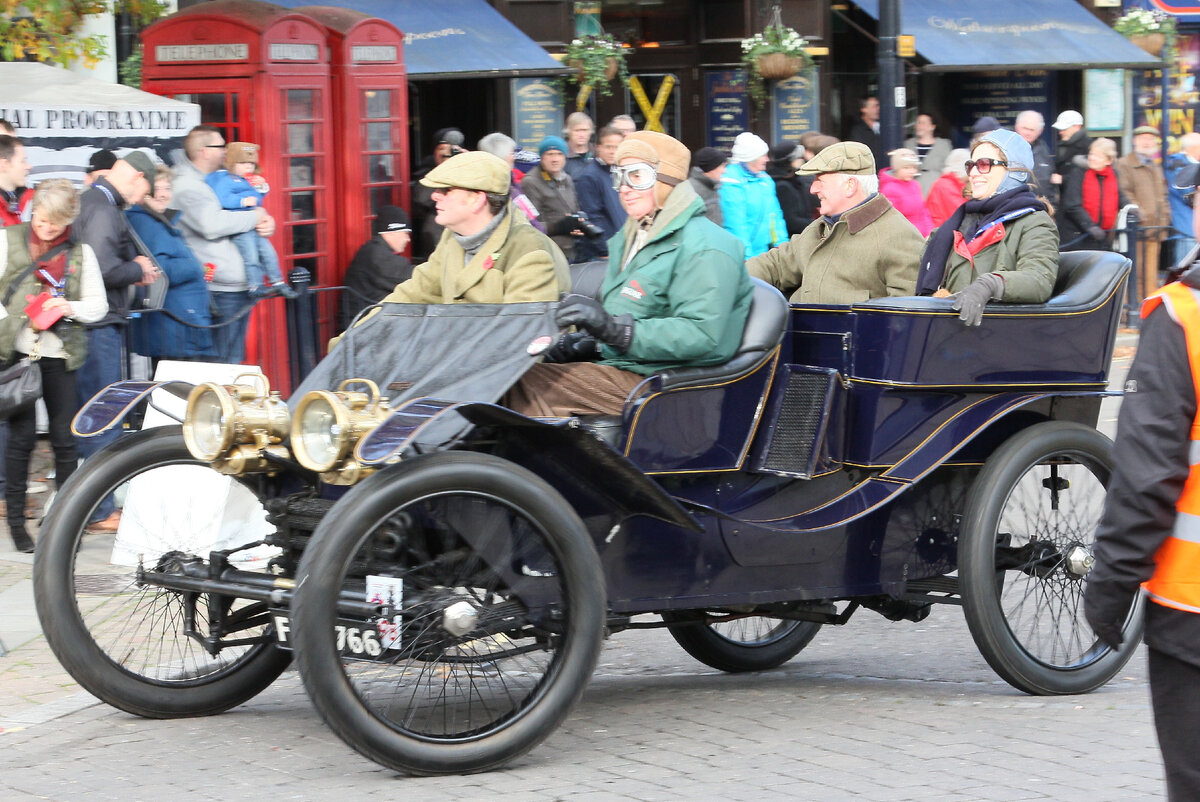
(517, 264)
(871, 251)
(1027, 260)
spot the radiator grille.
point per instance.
(798, 423)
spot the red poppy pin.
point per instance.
(491, 260)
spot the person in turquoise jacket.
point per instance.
(676, 293)
(748, 200)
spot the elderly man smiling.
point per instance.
(859, 248)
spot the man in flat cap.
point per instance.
(859, 248)
(487, 254)
(1142, 180)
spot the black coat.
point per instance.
(373, 273)
(861, 132)
(795, 199)
(1151, 466)
(102, 225)
(1074, 221)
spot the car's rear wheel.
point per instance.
(1026, 546)
(137, 646)
(752, 643)
(495, 613)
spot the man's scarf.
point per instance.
(990, 210)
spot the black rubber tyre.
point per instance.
(124, 643)
(1026, 544)
(450, 528)
(756, 643)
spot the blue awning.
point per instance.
(454, 38)
(961, 35)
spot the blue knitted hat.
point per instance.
(552, 143)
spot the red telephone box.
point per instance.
(370, 102)
(261, 74)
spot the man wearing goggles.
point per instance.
(675, 293)
(859, 248)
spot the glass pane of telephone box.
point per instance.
(379, 136)
(382, 196)
(301, 171)
(304, 238)
(300, 138)
(301, 104)
(304, 205)
(378, 103)
(381, 167)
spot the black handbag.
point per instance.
(20, 386)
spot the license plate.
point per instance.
(358, 639)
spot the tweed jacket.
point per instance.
(871, 251)
(1145, 185)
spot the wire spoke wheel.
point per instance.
(742, 643)
(138, 646)
(1027, 546)
(489, 620)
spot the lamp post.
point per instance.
(892, 100)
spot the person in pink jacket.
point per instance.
(898, 184)
(946, 194)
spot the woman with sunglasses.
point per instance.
(1001, 245)
(38, 258)
(675, 294)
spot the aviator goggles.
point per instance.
(638, 176)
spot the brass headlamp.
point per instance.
(328, 425)
(232, 425)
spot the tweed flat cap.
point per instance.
(475, 170)
(851, 158)
(1147, 129)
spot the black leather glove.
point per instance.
(574, 346)
(969, 302)
(564, 226)
(1096, 232)
(587, 313)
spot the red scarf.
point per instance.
(1101, 205)
(57, 266)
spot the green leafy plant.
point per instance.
(597, 59)
(47, 30)
(778, 39)
(1143, 21)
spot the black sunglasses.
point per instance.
(984, 165)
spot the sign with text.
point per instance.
(728, 106)
(1003, 95)
(794, 106)
(1182, 93)
(537, 111)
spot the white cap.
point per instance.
(1067, 119)
(747, 147)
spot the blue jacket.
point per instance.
(751, 209)
(600, 202)
(1181, 212)
(154, 334)
(233, 189)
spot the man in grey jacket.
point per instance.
(208, 230)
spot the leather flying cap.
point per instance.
(474, 169)
(140, 162)
(851, 158)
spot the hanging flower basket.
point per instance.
(1150, 30)
(1152, 43)
(778, 66)
(597, 60)
(773, 55)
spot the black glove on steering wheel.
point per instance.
(574, 346)
(587, 314)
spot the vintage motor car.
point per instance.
(444, 570)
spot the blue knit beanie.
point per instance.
(552, 143)
(1017, 153)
